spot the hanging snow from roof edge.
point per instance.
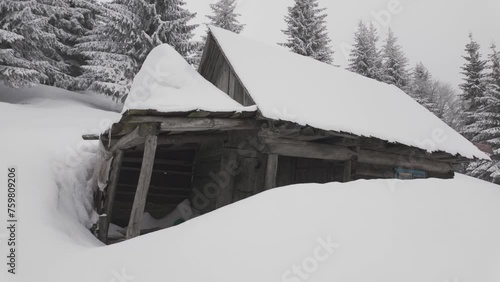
(167, 83)
(309, 92)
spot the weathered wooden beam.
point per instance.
(190, 139)
(90, 137)
(110, 195)
(300, 149)
(133, 229)
(271, 172)
(229, 163)
(394, 160)
(347, 171)
(197, 124)
(136, 137)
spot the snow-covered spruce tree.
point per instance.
(48, 31)
(473, 88)
(365, 58)
(487, 120)
(172, 27)
(306, 31)
(422, 89)
(224, 16)
(394, 63)
(117, 47)
(15, 69)
(123, 37)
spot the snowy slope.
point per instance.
(287, 86)
(42, 138)
(413, 231)
(167, 83)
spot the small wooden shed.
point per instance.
(157, 157)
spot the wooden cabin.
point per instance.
(158, 156)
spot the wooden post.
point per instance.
(271, 172)
(228, 162)
(134, 225)
(105, 219)
(347, 171)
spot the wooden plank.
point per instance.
(300, 149)
(110, 194)
(90, 137)
(229, 163)
(198, 124)
(136, 137)
(190, 139)
(347, 171)
(271, 171)
(133, 229)
(394, 160)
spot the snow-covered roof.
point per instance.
(167, 83)
(291, 87)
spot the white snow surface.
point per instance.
(291, 87)
(167, 83)
(382, 230)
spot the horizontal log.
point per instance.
(161, 162)
(90, 137)
(190, 139)
(198, 124)
(394, 160)
(300, 149)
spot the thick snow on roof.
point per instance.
(167, 83)
(287, 86)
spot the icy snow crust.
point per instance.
(167, 83)
(287, 86)
(388, 231)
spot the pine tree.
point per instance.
(422, 89)
(224, 16)
(306, 31)
(487, 120)
(124, 35)
(473, 88)
(117, 47)
(394, 63)
(15, 69)
(365, 58)
(172, 27)
(47, 31)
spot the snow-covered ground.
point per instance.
(423, 230)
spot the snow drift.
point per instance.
(422, 230)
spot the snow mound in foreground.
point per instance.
(167, 83)
(423, 230)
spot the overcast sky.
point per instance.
(432, 31)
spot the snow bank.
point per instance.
(287, 86)
(167, 83)
(422, 230)
(42, 138)
(46, 93)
